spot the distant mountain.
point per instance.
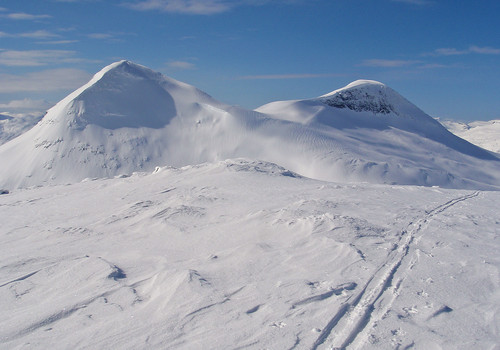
(129, 118)
(377, 107)
(485, 134)
(12, 127)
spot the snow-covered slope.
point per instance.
(244, 254)
(129, 118)
(485, 134)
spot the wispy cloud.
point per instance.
(37, 34)
(433, 66)
(43, 81)
(181, 65)
(100, 36)
(26, 105)
(198, 7)
(33, 58)
(57, 42)
(388, 63)
(450, 51)
(76, 0)
(415, 2)
(114, 36)
(287, 76)
(25, 16)
(484, 50)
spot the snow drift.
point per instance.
(129, 118)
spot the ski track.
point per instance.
(349, 324)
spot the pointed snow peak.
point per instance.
(126, 67)
(122, 94)
(359, 84)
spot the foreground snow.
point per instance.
(245, 254)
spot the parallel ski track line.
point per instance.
(353, 316)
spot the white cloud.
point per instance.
(58, 42)
(286, 76)
(100, 36)
(26, 105)
(38, 34)
(415, 2)
(198, 7)
(484, 50)
(472, 49)
(449, 52)
(388, 63)
(25, 16)
(33, 58)
(433, 66)
(43, 81)
(181, 65)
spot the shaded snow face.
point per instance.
(125, 97)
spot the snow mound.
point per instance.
(263, 167)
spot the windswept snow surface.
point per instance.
(485, 134)
(245, 254)
(129, 118)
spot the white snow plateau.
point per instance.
(141, 213)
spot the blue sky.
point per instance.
(444, 56)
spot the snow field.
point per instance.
(243, 253)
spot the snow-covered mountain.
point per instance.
(129, 118)
(485, 134)
(245, 252)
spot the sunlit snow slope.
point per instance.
(129, 118)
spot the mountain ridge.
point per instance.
(128, 118)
